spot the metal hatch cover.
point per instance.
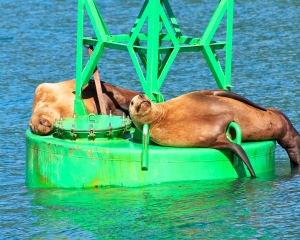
(92, 127)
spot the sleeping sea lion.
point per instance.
(200, 119)
(53, 100)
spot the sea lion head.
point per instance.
(41, 121)
(141, 109)
(140, 106)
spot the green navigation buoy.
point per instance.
(99, 150)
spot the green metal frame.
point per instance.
(156, 58)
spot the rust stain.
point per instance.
(94, 182)
(36, 157)
(89, 153)
(35, 168)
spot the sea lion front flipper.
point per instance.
(239, 151)
(224, 93)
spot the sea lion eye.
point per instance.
(131, 103)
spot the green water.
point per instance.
(37, 44)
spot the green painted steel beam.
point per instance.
(122, 40)
(214, 66)
(137, 67)
(92, 63)
(135, 31)
(139, 17)
(191, 47)
(142, 55)
(209, 54)
(152, 48)
(101, 33)
(79, 107)
(214, 22)
(229, 33)
(96, 19)
(172, 18)
(162, 50)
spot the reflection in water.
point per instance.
(38, 44)
(193, 209)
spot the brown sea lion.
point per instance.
(200, 119)
(52, 100)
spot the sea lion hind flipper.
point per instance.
(292, 147)
(239, 151)
(228, 94)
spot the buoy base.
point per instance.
(62, 163)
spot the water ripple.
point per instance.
(37, 44)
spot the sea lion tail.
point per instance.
(239, 151)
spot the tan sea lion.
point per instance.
(200, 119)
(52, 100)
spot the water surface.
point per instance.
(38, 44)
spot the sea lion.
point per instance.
(200, 119)
(53, 100)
